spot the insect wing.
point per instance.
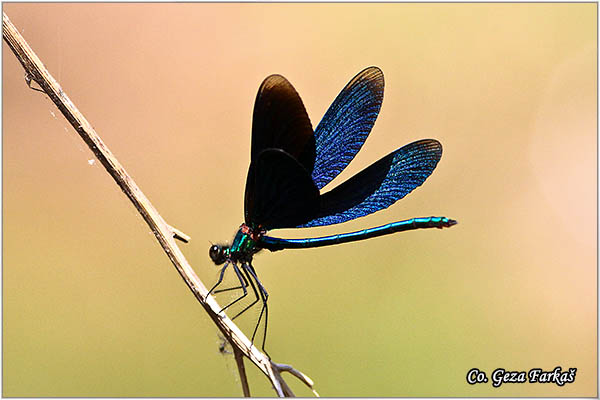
(280, 121)
(346, 124)
(380, 185)
(279, 192)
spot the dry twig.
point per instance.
(165, 234)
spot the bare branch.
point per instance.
(239, 359)
(165, 234)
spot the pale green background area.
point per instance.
(92, 307)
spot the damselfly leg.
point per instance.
(247, 277)
(221, 274)
(255, 295)
(249, 269)
(243, 284)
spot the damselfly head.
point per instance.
(218, 253)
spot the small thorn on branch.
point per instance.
(177, 234)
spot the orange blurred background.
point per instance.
(91, 305)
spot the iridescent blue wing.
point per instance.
(346, 124)
(380, 185)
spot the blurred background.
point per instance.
(93, 307)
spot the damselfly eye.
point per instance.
(216, 254)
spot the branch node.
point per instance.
(278, 368)
(177, 234)
(29, 79)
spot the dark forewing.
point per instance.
(346, 124)
(279, 192)
(280, 121)
(379, 185)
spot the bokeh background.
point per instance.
(93, 307)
